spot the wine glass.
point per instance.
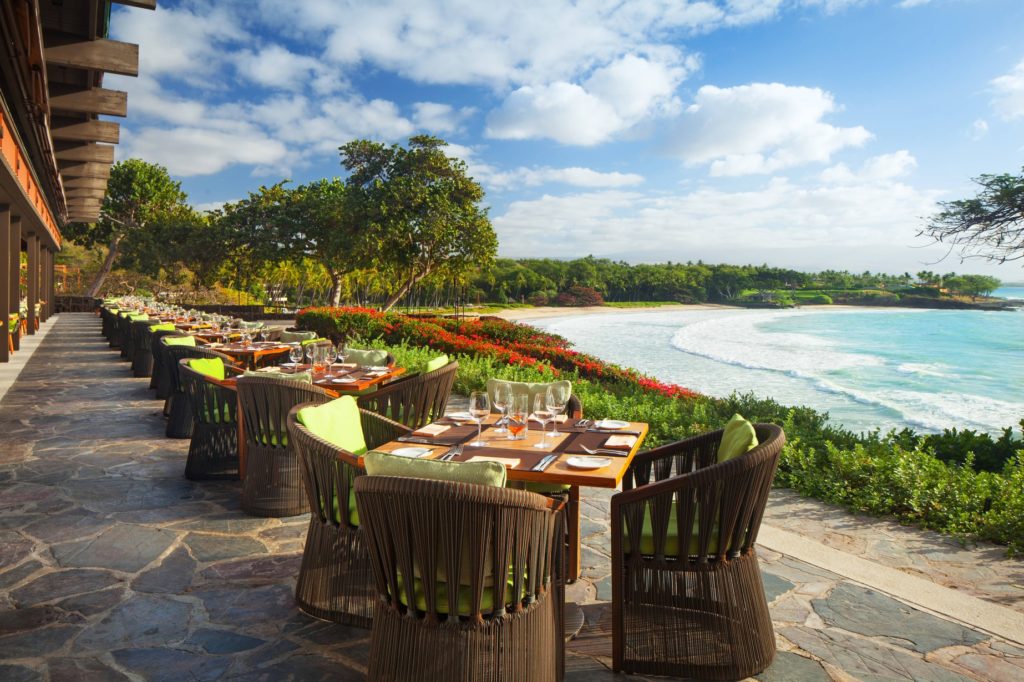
(342, 350)
(311, 354)
(246, 339)
(542, 414)
(295, 355)
(557, 398)
(330, 355)
(479, 408)
(502, 393)
(518, 412)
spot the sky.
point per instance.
(809, 134)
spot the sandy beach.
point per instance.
(525, 314)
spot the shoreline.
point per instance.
(540, 313)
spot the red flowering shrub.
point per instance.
(515, 344)
(577, 295)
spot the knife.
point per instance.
(545, 462)
(619, 431)
(415, 439)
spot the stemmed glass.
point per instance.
(330, 356)
(479, 408)
(502, 395)
(542, 414)
(557, 398)
(246, 339)
(311, 355)
(295, 355)
(518, 415)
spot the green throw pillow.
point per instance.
(672, 537)
(480, 473)
(437, 363)
(301, 377)
(337, 422)
(367, 358)
(139, 317)
(520, 387)
(211, 367)
(179, 340)
(739, 437)
(296, 337)
(163, 327)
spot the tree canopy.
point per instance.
(990, 225)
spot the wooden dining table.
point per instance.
(521, 457)
(253, 355)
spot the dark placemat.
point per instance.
(527, 458)
(591, 440)
(453, 436)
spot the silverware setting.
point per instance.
(604, 451)
(451, 454)
(614, 431)
(415, 439)
(545, 462)
(583, 424)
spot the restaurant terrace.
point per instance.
(221, 493)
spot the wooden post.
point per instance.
(14, 274)
(48, 307)
(32, 247)
(5, 281)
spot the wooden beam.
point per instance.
(91, 101)
(144, 4)
(87, 152)
(84, 170)
(89, 131)
(85, 183)
(111, 56)
(84, 193)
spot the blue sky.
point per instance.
(802, 133)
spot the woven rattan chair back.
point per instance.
(141, 353)
(497, 548)
(687, 597)
(160, 378)
(335, 582)
(124, 335)
(213, 452)
(416, 401)
(273, 477)
(179, 408)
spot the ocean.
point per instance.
(868, 368)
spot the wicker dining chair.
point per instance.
(179, 406)
(335, 582)
(213, 452)
(499, 547)
(687, 596)
(415, 401)
(160, 378)
(273, 475)
(142, 345)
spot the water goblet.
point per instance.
(246, 339)
(502, 393)
(556, 398)
(479, 408)
(543, 415)
(295, 355)
(330, 355)
(518, 412)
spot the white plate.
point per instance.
(411, 452)
(289, 364)
(460, 416)
(582, 462)
(343, 380)
(376, 368)
(611, 424)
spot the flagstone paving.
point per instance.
(114, 567)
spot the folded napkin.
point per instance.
(431, 430)
(560, 419)
(620, 442)
(269, 370)
(510, 463)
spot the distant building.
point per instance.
(55, 152)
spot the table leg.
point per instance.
(241, 441)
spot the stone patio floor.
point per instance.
(114, 567)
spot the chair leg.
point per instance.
(573, 522)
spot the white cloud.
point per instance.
(1009, 93)
(197, 151)
(883, 168)
(760, 128)
(494, 179)
(439, 118)
(278, 68)
(613, 99)
(907, 4)
(979, 129)
(781, 222)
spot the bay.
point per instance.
(868, 368)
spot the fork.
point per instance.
(604, 451)
(451, 454)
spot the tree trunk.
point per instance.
(335, 295)
(108, 265)
(404, 289)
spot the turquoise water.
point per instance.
(926, 369)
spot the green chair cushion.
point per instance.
(437, 363)
(480, 473)
(296, 337)
(465, 600)
(672, 538)
(162, 327)
(367, 358)
(337, 422)
(520, 387)
(315, 339)
(738, 437)
(224, 418)
(211, 367)
(179, 340)
(138, 317)
(301, 377)
(546, 488)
